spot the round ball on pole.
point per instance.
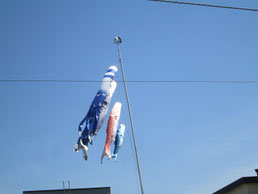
(117, 40)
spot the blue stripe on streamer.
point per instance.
(111, 76)
(111, 70)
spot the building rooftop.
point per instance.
(237, 183)
(98, 190)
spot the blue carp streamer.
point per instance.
(96, 115)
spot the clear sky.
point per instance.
(193, 138)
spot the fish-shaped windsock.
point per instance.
(112, 129)
(119, 140)
(96, 115)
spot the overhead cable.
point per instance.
(206, 5)
(133, 81)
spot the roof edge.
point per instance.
(237, 183)
(50, 190)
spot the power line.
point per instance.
(130, 81)
(206, 5)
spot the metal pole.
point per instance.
(118, 41)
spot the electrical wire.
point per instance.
(133, 81)
(206, 5)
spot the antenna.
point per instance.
(69, 184)
(63, 187)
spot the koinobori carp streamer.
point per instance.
(112, 129)
(96, 115)
(119, 140)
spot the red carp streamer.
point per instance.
(112, 129)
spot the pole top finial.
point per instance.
(117, 40)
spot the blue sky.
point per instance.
(193, 138)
